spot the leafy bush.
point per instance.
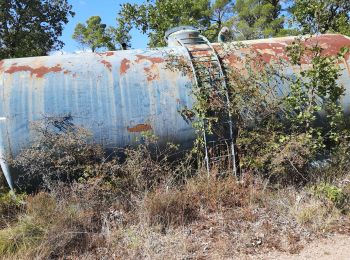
(277, 115)
(51, 227)
(30, 228)
(174, 207)
(331, 193)
(317, 215)
(11, 206)
(60, 152)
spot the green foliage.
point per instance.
(255, 19)
(248, 19)
(331, 193)
(321, 16)
(220, 13)
(277, 115)
(21, 237)
(155, 17)
(94, 34)
(60, 152)
(313, 92)
(10, 207)
(44, 229)
(32, 28)
(120, 37)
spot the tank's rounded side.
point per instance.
(273, 50)
(115, 95)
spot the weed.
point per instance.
(173, 207)
(331, 193)
(316, 215)
(10, 207)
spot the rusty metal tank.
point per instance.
(118, 95)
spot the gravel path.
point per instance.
(336, 247)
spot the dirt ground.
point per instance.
(336, 247)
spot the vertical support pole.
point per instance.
(233, 150)
(206, 151)
(4, 165)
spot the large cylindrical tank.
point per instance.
(117, 95)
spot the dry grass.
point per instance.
(146, 207)
(215, 218)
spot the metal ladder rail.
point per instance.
(213, 58)
(228, 104)
(188, 54)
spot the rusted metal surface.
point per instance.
(118, 95)
(39, 72)
(274, 50)
(140, 128)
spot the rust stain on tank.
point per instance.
(1, 64)
(331, 44)
(140, 128)
(152, 73)
(108, 53)
(124, 66)
(153, 60)
(107, 64)
(66, 72)
(38, 72)
(270, 51)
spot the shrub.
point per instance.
(60, 152)
(214, 194)
(174, 207)
(316, 215)
(30, 228)
(24, 235)
(10, 207)
(48, 229)
(332, 193)
(276, 114)
(181, 206)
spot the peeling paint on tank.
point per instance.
(38, 72)
(270, 51)
(331, 43)
(140, 128)
(107, 54)
(153, 60)
(152, 73)
(107, 64)
(124, 66)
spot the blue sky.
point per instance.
(107, 10)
